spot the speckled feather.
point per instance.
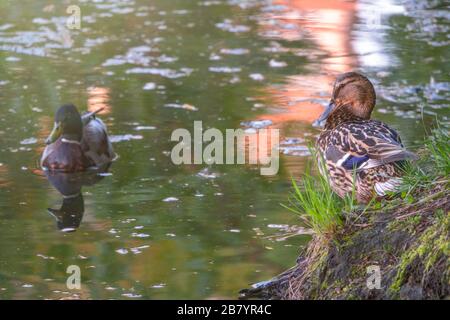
(357, 153)
(364, 139)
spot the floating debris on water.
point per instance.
(227, 25)
(301, 151)
(204, 173)
(140, 128)
(122, 251)
(149, 86)
(181, 11)
(28, 141)
(256, 124)
(131, 295)
(258, 231)
(236, 52)
(104, 174)
(110, 288)
(135, 55)
(184, 106)
(406, 114)
(170, 199)
(277, 64)
(138, 250)
(163, 72)
(256, 76)
(140, 235)
(122, 10)
(12, 59)
(224, 69)
(278, 226)
(125, 137)
(235, 79)
(209, 3)
(45, 257)
(214, 57)
(290, 141)
(414, 94)
(6, 26)
(294, 147)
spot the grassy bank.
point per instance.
(405, 236)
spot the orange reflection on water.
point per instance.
(257, 146)
(328, 24)
(297, 99)
(45, 127)
(326, 27)
(3, 172)
(98, 97)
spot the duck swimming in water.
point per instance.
(76, 142)
(359, 154)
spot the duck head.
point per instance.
(353, 97)
(68, 125)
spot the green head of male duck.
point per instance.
(353, 96)
(68, 125)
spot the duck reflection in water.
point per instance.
(69, 185)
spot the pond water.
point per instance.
(151, 229)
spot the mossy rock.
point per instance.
(409, 243)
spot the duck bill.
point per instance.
(55, 134)
(324, 116)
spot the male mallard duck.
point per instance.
(359, 154)
(76, 142)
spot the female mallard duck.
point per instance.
(360, 155)
(76, 142)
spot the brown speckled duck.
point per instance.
(355, 148)
(76, 143)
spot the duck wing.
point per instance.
(365, 144)
(96, 144)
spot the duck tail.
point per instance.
(88, 116)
